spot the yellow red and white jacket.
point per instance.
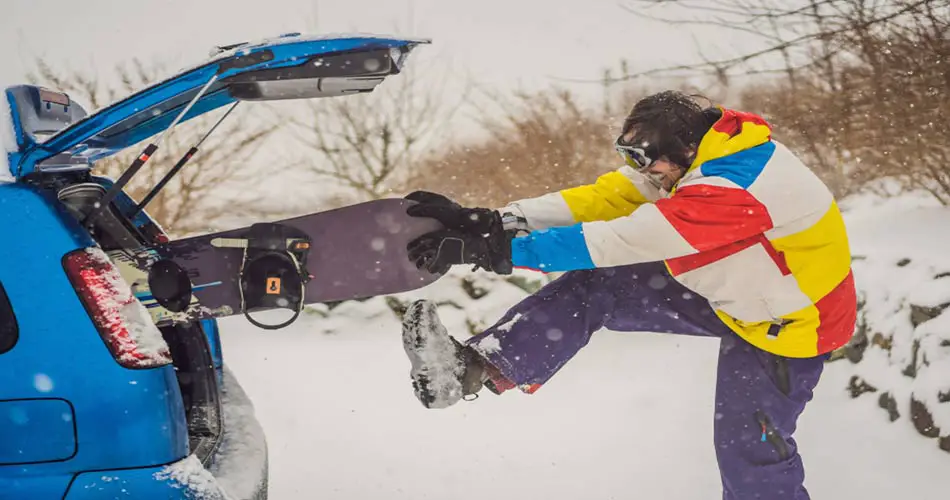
(749, 227)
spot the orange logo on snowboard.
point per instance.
(273, 286)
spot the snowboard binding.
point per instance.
(273, 272)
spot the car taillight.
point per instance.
(123, 322)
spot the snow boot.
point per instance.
(443, 370)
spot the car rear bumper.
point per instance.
(238, 470)
(185, 479)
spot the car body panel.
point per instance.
(121, 416)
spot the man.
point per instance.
(712, 228)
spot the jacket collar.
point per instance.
(733, 132)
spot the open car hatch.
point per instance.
(288, 67)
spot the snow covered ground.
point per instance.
(630, 417)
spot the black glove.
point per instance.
(451, 214)
(439, 250)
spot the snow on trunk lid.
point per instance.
(7, 138)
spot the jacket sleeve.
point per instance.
(615, 194)
(695, 219)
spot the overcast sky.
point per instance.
(497, 44)
(502, 43)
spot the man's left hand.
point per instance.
(451, 214)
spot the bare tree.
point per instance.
(367, 144)
(216, 185)
(533, 144)
(787, 29)
(858, 92)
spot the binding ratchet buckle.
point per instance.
(273, 271)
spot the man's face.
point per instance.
(663, 173)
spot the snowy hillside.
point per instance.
(631, 416)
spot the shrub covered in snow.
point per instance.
(901, 349)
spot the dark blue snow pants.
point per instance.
(759, 395)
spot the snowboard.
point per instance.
(353, 252)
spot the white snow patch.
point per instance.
(7, 137)
(488, 345)
(506, 326)
(120, 307)
(42, 382)
(189, 473)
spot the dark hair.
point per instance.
(669, 123)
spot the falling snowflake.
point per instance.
(42, 382)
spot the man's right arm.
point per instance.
(614, 194)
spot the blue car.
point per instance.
(96, 401)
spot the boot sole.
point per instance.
(436, 369)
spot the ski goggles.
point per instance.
(637, 157)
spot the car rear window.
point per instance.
(9, 331)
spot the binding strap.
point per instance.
(273, 271)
